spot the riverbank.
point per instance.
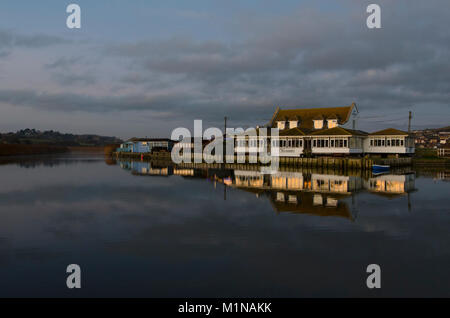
(426, 157)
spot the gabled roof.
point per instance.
(254, 132)
(307, 115)
(339, 131)
(292, 132)
(389, 132)
(318, 117)
(332, 116)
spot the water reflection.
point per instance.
(166, 230)
(302, 191)
(53, 160)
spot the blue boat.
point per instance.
(380, 168)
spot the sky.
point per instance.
(143, 68)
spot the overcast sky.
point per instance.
(142, 68)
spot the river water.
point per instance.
(148, 230)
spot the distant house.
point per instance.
(146, 145)
(444, 151)
(127, 146)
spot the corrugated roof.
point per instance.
(389, 132)
(307, 115)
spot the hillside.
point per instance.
(55, 138)
(435, 130)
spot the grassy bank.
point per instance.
(425, 157)
(21, 150)
(426, 153)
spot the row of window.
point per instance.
(287, 143)
(295, 143)
(154, 143)
(251, 143)
(283, 143)
(317, 143)
(333, 143)
(386, 143)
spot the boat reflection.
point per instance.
(323, 193)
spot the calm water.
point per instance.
(151, 231)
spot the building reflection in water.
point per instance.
(141, 168)
(296, 191)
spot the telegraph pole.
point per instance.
(225, 125)
(224, 152)
(409, 122)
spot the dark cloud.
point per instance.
(10, 39)
(313, 58)
(164, 106)
(69, 71)
(67, 78)
(63, 62)
(309, 58)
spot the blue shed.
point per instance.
(146, 145)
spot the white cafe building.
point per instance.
(324, 132)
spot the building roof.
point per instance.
(292, 132)
(332, 116)
(339, 131)
(134, 139)
(253, 132)
(307, 115)
(389, 132)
